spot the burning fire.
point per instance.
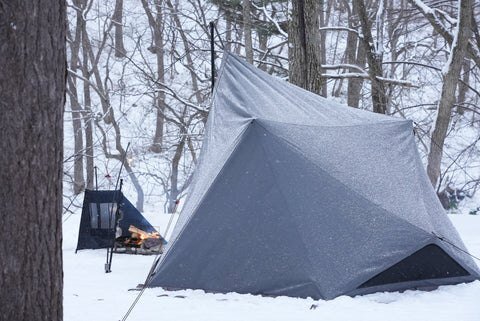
(149, 243)
(140, 234)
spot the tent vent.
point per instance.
(430, 262)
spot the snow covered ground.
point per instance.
(90, 294)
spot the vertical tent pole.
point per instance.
(108, 264)
(96, 179)
(212, 51)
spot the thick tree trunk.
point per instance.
(304, 49)
(32, 91)
(447, 98)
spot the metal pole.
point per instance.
(108, 264)
(96, 178)
(109, 260)
(121, 165)
(212, 51)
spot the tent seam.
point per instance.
(296, 149)
(383, 123)
(241, 137)
(431, 238)
(289, 210)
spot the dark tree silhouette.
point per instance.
(305, 50)
(32, 95)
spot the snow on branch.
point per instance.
(399, 82)
(342, 29)
(347, 75)
(275, 22)
(436, 18)
(344, 66)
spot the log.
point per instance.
(142, 234)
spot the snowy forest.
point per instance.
(321, 133)
(139, 72)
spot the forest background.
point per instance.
(139, 72)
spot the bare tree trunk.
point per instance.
(238, 40)
(374, 58)
(138, 187)
(87, 101)
(247, 25)
(188, 55)
(102, 93)
(355, 56)
(117, 18)
(447, 98)
(393, 28)
(156, 23)
(262, 45)
(174, 190)
(463, 87)
(32, 91)
(89, 152)
(160, 102)
(228, 33)
(351, 49)
(304, 50)
(356, 85)
(296, 51)
(323, 45)
(78, 175)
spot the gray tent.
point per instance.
(297, 195)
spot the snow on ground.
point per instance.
(90, 294)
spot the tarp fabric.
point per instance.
(297, 195)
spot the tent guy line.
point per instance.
(444, 239)
(444, 152)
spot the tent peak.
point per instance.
(244, 91)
